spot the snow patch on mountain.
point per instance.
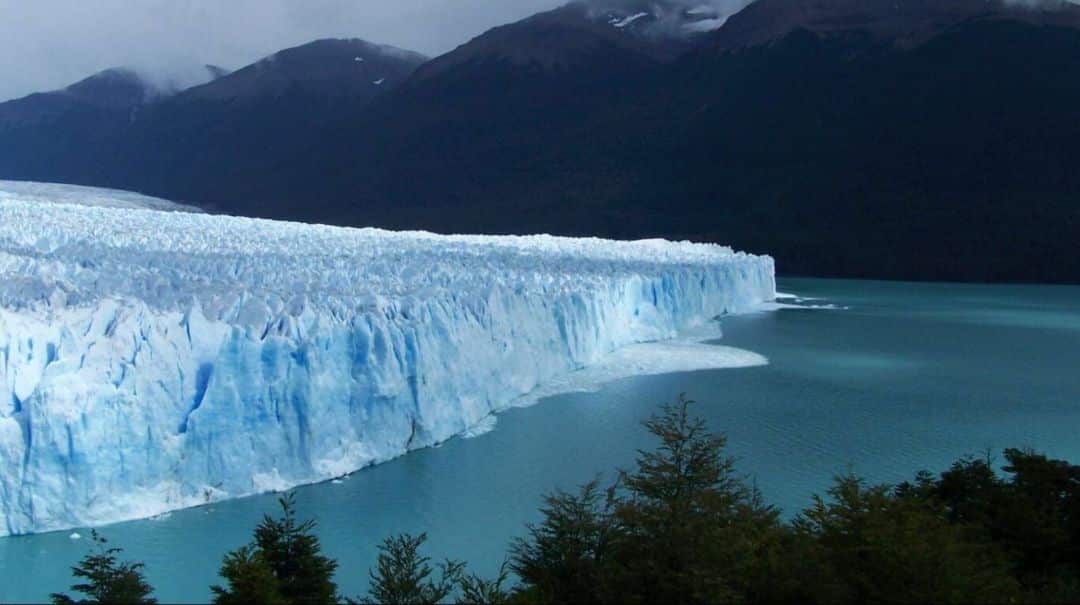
(667, 17)
(621, 23)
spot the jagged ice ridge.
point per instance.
(151, 361)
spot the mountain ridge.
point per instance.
(904, 22)
(842, 147)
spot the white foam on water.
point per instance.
(776, 306)
(483, 427)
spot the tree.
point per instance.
(681, 528)
(477, 590)
(1032, 514)
(250, 579)
(875, 546)
(689, 528)
(287, 551)
(1038, 521)
(403, 575)
(563, 558)
(107, 580)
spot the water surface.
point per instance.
(904, 377)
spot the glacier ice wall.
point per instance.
(151, 361)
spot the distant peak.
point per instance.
(110, 75)
(331, 67)
(355, 49)
(130, 86)
(116, 86)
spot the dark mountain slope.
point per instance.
(466, 125)
(842, 156)
(107, 131)
(194, 145)
(843, 152)
(64, 134)
(897, 22)
(567, 38)
(880, 138)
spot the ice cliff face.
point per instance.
(151, 361)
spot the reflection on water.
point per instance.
(906, 377)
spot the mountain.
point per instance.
(854, 139)
(51, 135)
(579, 35)
(329, 68)
(471, 121)
(118, 89)
(148, 140)
(194, 143)
(932, 142)
(908, 139)
(899, 22)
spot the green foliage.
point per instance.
(250, 579)
(108, 580)
(563, 558)
(689, 527)
(403, 575)
(680, 528)
(286, 551)
(875, 547)
(481, 591)
(683, 527)
(1033, 514)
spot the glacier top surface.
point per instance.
(248, 270)
(59, 193)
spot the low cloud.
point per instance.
(48, 44)
(672, 15)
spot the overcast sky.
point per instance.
(47, 44)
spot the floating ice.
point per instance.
(151, 361)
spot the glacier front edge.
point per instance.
(151, 361)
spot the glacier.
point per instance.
(152, 360)
(60, 193)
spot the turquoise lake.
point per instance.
(901, 377)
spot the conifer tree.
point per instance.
(689, 528)
(107, 579)
(286, 551)
(477, 590)
(403, 575)
(250, 579)
(562, 559)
